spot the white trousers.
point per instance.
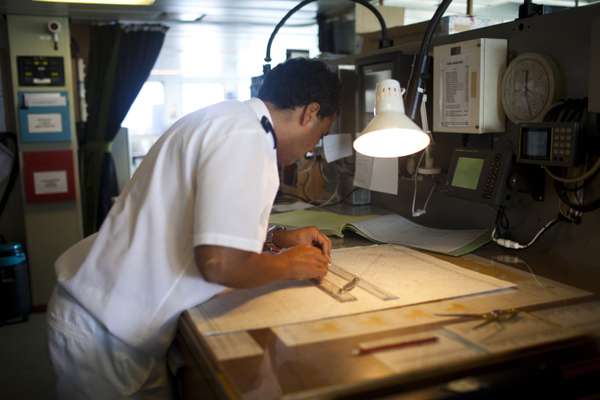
(90, 363)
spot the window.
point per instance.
(196, 95)
(149, 102)
(203, 64)
(145, 121)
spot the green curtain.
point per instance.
(121, 58)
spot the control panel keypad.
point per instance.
(492, 178)
(562, 139)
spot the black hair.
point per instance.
(299, 82)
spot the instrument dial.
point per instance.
(529, 87)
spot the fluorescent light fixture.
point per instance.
(391, 133)
(108, 2)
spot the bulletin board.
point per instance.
(44, 117)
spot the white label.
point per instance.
(51, 99)
(50, 182)
(455, 93)
(44, 123)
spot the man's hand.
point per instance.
(305, 262)
(310, 236)
(243, 269)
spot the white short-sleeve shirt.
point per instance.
(211, 179)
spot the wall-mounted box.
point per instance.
(44, 117)
(48, 176)
(467, 77)
(41, 71)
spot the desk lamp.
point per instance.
(392, 133)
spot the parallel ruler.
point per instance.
(335, 291)
(361, 283)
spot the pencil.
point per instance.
(362, 350)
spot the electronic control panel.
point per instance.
(41, 71)
(479, 175)
(549, 143)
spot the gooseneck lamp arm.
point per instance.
(383, 42)
(414, 92)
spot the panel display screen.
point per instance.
(41, 71)
(536, 143)
(467, 172)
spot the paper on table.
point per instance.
(328, 222)
(398, 230)
(233, 345)
(577, 316)
(337, 146)
(354, 325)
(445, 350)
(378, 174)
(530, 292)
(391, 228)
(413, 276)
(461, 341)
(522, 331)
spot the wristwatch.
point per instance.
(271, 231)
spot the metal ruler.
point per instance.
(361, 283)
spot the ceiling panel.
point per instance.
(215, 11)
(253, 12)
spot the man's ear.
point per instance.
(310, 113)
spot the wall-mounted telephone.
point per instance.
(479, 175)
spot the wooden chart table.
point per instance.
(327, 368)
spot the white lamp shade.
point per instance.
(391, 133)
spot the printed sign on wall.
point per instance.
(44, 123)
(49, 176)
(44, 117)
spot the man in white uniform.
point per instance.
(192, 221)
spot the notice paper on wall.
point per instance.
(455, 93)
(378, 174)
(45, 99)
(337, 147)
(44, 123)
(44, 117)
(50, 182)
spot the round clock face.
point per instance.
(529, 87)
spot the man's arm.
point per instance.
(243, 269)
(309, 235)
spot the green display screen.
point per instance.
(467, 172)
